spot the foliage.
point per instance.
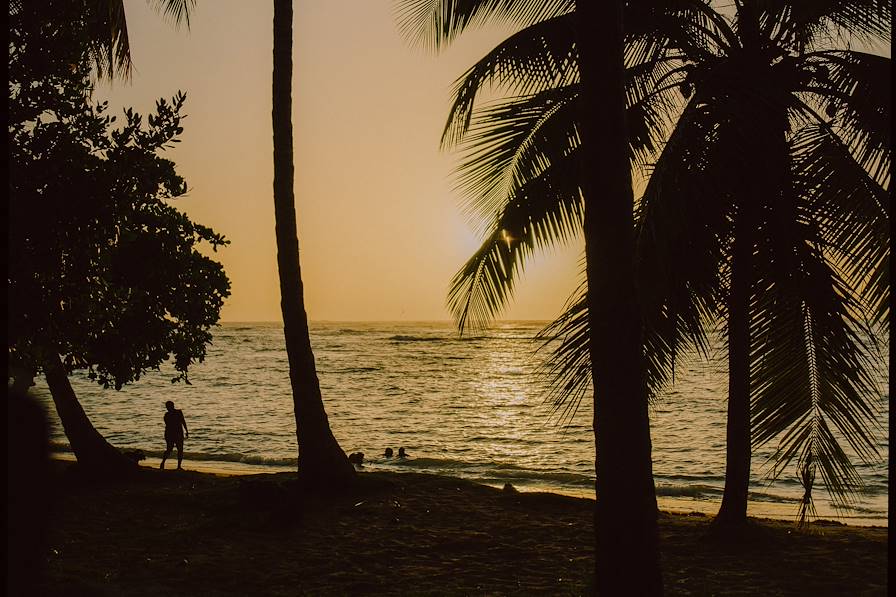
(102, 27)
(103, 270)
(696, 84)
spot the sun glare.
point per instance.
(507, 237)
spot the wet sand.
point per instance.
(191, 533)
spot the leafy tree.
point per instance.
(104, 274)
(814, 225)
(321, 462)
(627, 556)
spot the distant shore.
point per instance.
(190, 533)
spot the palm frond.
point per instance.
(511, 143)
(567, 368)
(691, 27)
(682, 224)
(805, 23)
(811, 374)
(859, 92)
(538, 58)
(107, 38)
(545, 211)
(177, 12)
(851, 212)
(433, 24)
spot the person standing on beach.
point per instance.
(175, 426)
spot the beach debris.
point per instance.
(508, 488)
(359, 503)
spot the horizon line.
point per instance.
(230, 321)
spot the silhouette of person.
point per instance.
(175, 425)
(401, 453)
(388, 453)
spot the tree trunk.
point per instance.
(733, 512)
(95, 455)
(762, 191)
(322, 463)
(627, 550)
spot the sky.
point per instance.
(381, 232)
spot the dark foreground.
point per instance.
(187, 533)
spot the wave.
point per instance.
(404, 338)
(235, 457)
(695, 491)
(240, 458)
(352, 332)
(453, 338)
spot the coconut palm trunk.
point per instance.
(321, 462)
(733, 511)
(762, 208)
(95, 455)
(627, 554)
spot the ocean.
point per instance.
(466, 406)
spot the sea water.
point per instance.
(467, 406)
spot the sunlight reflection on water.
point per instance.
(461, 406)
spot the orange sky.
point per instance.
(380, 229)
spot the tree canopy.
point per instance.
(103, 270)
(698, 85)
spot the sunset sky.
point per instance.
(380, 229)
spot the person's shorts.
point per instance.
(174, 440)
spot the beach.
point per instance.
(191, 533)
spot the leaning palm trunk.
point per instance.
(95, 455)
(627, 554)
(321, 462)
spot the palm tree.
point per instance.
(765, 96)
(627, 556)
(321, 462)
(824, 258)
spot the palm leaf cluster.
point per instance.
(758, 123)
(106, 34)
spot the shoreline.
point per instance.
(784, 513)
(192, 533)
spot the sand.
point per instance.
(192, 533)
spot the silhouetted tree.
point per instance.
(322, 462)
(104, 274)
(703, 188)
(627, 557)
